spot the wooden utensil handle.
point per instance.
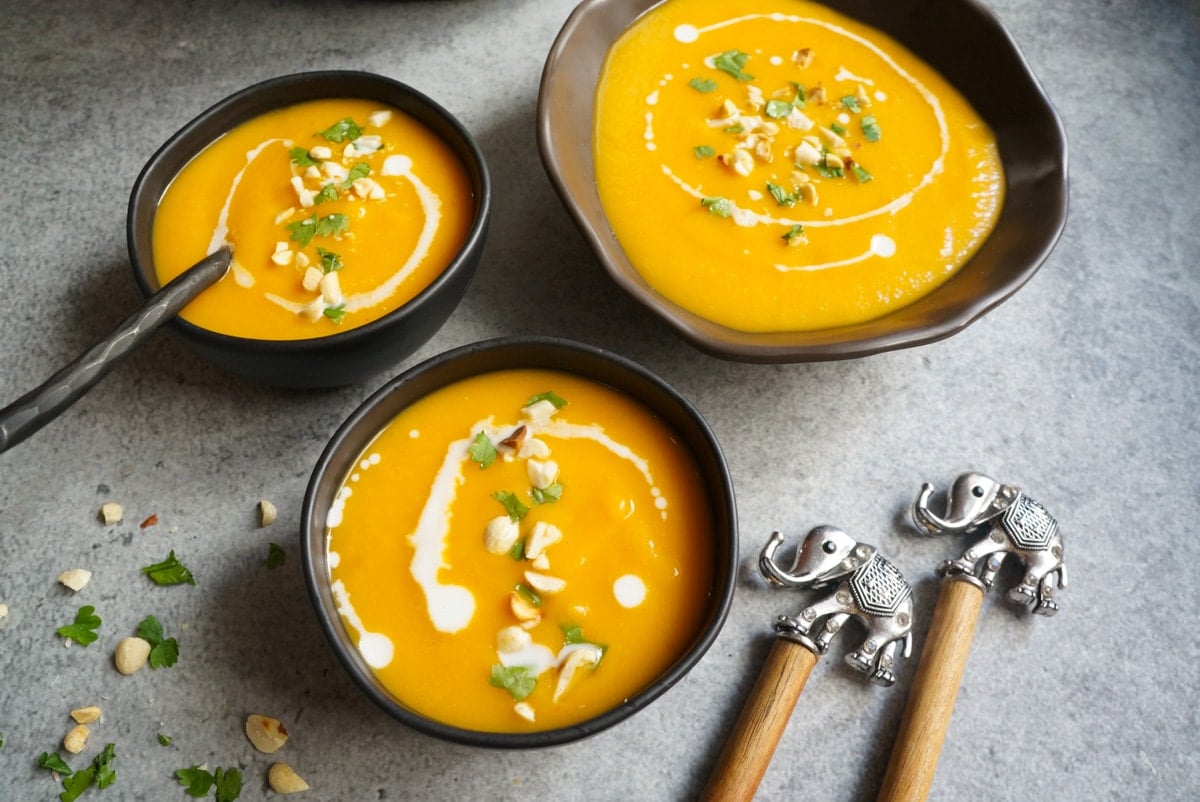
(935, 686)
(747, 753)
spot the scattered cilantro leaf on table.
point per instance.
(52, 761)
(83, 630)
(169, 572)
(276, 556)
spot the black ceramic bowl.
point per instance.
(607, 368)
(349, 356)
(961, 39)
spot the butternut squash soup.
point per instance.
(521, 551)
(773, 165)
(338, 212)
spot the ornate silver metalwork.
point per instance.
(867, 587)
(1012, 523)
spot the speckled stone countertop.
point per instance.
(1081, 388)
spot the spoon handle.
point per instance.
(41, 405)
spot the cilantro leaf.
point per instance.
(343, 130)
(528, 594)
(1, 740)
(512, 505)
(546, 495)
(330, 261)
(302, 231)
(328, 193)
(331, 225)
(801, 96)
(704, 151)
(301, 158)
(825, 171)
(276, 556)
(517, 552)
(83, 630)
(778, 109)
(229, 784)
(335, 313)
(515, 679)
(554, 398)
(106, 775)
(870, 128)
(732, 61)
(721, 207)
(838, 129)
(150, 630)
(169, 572)
(733, 129)
(572, 633)
(850, 104)
(196, 781)
(795, 234)
(703, 85)
(861, 174)
(76, 784)
(164, 740)
(482, 450)
(781, 196)
(52, 761)
(360, 170)
(164, 651)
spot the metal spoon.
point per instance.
(43, 404)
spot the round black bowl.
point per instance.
(349, 356)
(509, 353)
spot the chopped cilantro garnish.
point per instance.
(360, 170)
(825, 171)
(547, 495)
(164, 651)
(342, 131)
(554, 398)
(733, 129)
(105, 774)
(169, 572)
(528, 594)
(83, 630)
(572, 633)
(795, 234)
(196, 781)
(301, 158)
(850, 104)
(778, 109)
(732, 61)
(276, 556)
(52, 761)
(801, 96)
(76, 784)
(164, 740)
(482, 450)
(515, 679)
(781, 196)
(704, 151)
(721, 207)
(517, 552)
(330, 261)
(328, 193)
(870, 128)
(331, 225)
(703, 85)
(512, 505)
(335, 313)
(840, 130)
(861, 174)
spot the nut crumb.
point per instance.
(86, 715)
(265, 733)
(76, 740)
(3, 611)
(266, 513)
(131, 655)
(75, 579)
(283, 779)
(111, 513)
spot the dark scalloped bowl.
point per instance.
(961, 39)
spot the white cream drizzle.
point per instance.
(880, 245)
(220, 235)
(376, 649)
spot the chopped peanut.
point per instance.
(75, 579)
(283, 779)
(76, 740)
(266, 513)
(501, 535)
(86, 715)
(131, 655)
(111, 513)
(265, 733)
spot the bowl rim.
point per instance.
(579, 32)
(538, 352)
(256, 99)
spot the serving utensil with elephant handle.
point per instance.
(865, 586)
(1012, 523)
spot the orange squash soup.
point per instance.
(338, 212)
(521, 551)
(773, 165)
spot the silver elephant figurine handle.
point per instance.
(869, 588)
(1012, 523)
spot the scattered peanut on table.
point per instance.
(111, 513)
(76, 740)
(265, 733)
(75, 579)
(266, 513)
(131, 655)
(86, 715)
(284, 780)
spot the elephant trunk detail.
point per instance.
(771, 570)
(930, 523)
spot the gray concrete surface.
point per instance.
(1082, 388)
